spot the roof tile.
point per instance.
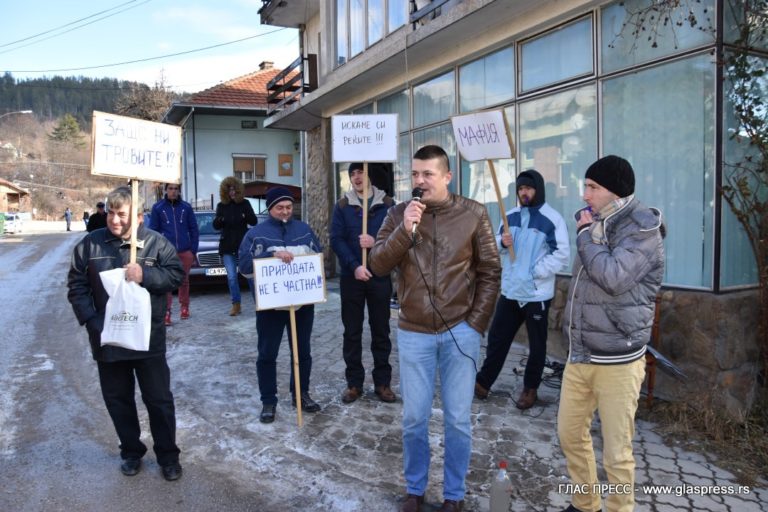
(248, 90)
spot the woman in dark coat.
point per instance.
(233, 216)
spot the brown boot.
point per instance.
(452, 506)
(527, 399)
(235, 309)
(412, 503)
(480, 392)
(351, 394)
(385, 394)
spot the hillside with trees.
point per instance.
(52, 97)
(48, 152)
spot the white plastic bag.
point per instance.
(128, 317)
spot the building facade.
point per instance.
(576, 80)
(223, 135)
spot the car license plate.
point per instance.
(218, 271)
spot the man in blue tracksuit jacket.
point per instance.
(280, 236)
(175, 220)
(541, 249)
(358, 286)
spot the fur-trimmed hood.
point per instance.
(231, 181)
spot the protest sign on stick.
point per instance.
(138, 150)
(288, 285)
(366, 138)
(484, 136)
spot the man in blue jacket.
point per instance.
(175, 219)
(280, 236)
(541, 249)
(359, 286)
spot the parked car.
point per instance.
(208, 264)
(13, 223)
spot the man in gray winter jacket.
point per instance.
(608, 317)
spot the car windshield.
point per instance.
(205, 223)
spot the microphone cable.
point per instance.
(434, 307)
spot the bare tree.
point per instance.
(743, 58)
(144, 102)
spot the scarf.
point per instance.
(597, 230)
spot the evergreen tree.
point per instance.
(67, 131)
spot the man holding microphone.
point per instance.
(444, 250)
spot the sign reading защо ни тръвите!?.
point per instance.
(364, 138)
(134, 148)
(280, 285)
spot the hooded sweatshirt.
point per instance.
(541, 247)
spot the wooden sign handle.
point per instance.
(296, 375)
(365, 210)
(134, 217)
(511, 248)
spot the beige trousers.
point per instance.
(612, 390)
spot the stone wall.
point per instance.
(318, 193)
(712, 338)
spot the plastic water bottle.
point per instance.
(501, 489)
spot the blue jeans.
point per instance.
(230, 263)
(421, 355)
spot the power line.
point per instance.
(72, 29)
(144, 60)
(68, 24)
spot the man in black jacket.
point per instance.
(98, 219)
(159, 271)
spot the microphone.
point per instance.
(416, 196)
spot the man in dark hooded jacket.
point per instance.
(541, 249)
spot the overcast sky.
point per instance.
(98, 39)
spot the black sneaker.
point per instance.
(307, 404)
(172, 471)
(267, 413)
(130, 467)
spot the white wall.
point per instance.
(217, 138)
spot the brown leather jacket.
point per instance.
(456, 252)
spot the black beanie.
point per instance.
(613, 173)
(277, 194)
(355, 165)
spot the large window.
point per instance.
(737, 261)
(342, 33)
(396, 104)
(434, 101)
(477, 182)
(621, 49)
(674, 165)
(249, 167)
(558, 138)
(398, 13)
(442, 136)
(487, 81)
(361, 23)
(356, 27)
(403, 169)
(376, 20)
(558, 55)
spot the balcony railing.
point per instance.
(299, 78)
(425, 10)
